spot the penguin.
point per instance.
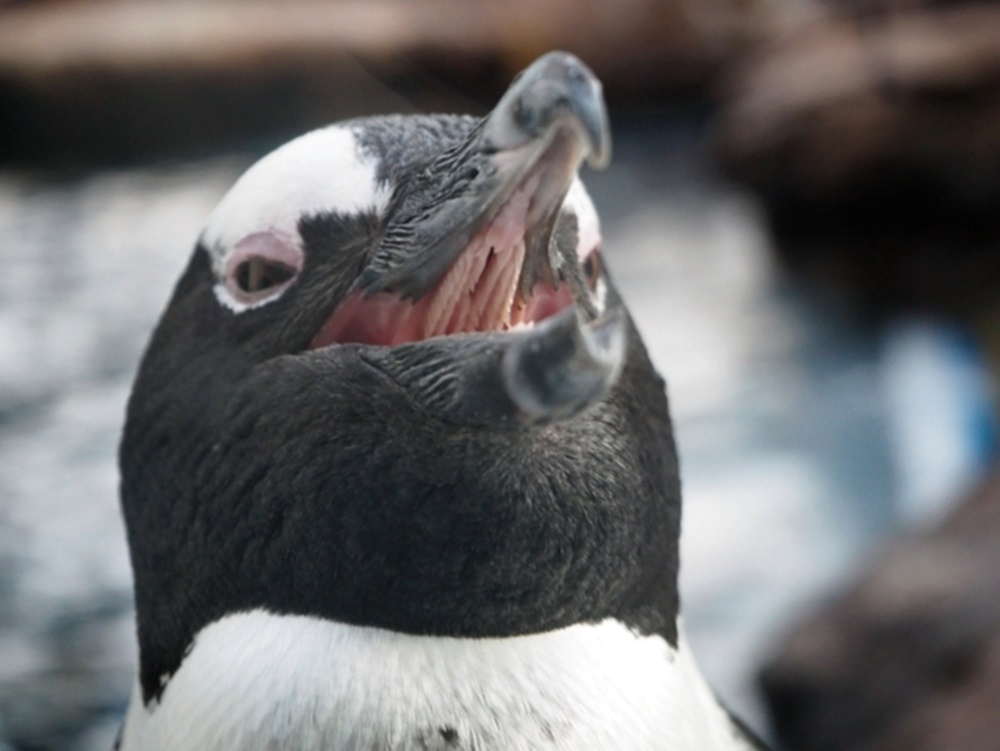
(397, 472)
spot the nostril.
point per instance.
(260, 267)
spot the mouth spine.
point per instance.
(470, 311)
(513, 283)
(495, 310)
(447, 297)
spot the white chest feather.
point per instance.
(256, 681)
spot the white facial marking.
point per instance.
(322, 171)
(225, 298)
(588, 225)
(256, 681)
(589, 233)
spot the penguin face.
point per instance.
(394, 387)
(399, 230)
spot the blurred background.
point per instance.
(802, 213)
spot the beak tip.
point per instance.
(563, 365)
(556, 86)
(600, 153)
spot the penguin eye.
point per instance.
(592, 269)
(256, 275)
(260, 267)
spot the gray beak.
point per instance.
(549, 121)
(555, 93)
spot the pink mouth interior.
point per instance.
(478, 293)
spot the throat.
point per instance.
(259, 681)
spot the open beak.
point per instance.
(479, 242)
(476, 241)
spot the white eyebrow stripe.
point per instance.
(321, 171)
(588, 224)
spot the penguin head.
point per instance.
(396, 387)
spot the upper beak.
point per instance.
(557, 92)
(549, 121)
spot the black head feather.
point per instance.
(344, 482)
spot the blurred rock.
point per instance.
(87, 265)
(100, 79)
(909, 657)
(872, 130)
